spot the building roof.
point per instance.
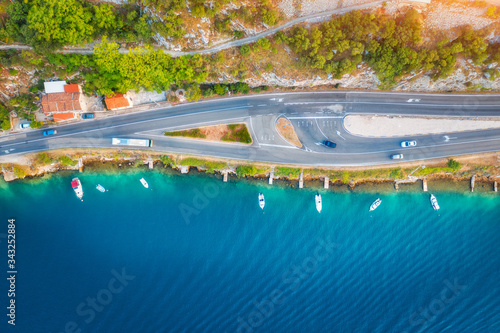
(63, 116)
(54, 87)
(117, 101)
(61, 102)
(71, 88)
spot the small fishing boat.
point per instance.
(375, 204)
(319, 205)
(434, 202)
(100, 188)
(262, 202)
(77, 187)
(144, 183)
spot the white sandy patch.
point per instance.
(383, 126)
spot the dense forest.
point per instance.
(51, 24)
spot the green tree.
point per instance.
(244, 50)
(54, 23)
(198, 11)
(220, 90)
(193, 93)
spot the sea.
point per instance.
(194, 254)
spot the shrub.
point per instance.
(245, 170)
(452, 164)
(43, 159)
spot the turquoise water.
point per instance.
(197, 255)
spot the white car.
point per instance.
(397, 156)
(405, 144)
(24, 125)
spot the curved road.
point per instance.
(316, 116)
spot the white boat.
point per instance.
(262, 202)
(375, 204)
(434, 202)
(100, 188)
(319, 205)
(77, 187)
(144, 183)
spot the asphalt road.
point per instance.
(316, 116)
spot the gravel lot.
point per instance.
(382, 126)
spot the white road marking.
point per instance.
(320, 129)
(338, 133)
(280, 146)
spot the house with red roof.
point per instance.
(62, 101)
(117, 101)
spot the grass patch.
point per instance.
(289, 172)
(65, 160)
(249, 170)
(237, 133)
(191, 133)
(209, 166)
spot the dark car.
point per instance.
(88, 116)
(329, 144)
(49, 132)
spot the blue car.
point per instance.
(49, 132)
(329, 144)
(88, 116)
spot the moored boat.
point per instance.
(434, 202)
(100, 188)
(77, 187)
(319, 205)
(262, 202)
(144, 183)
(375, 204)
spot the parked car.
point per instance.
(405, 144)
(397, 156)
(329, 144)
(49, 132)
(24, 125)
(88, 115)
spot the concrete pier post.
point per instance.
(80, 164)
(472, 181)
(424, 184)
(225, 176)
(327, 183)
(301, 180)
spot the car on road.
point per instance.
(406, 144)
(24, 125)
(397, 156)
(329, 144)
(49, 132)
(88, 115)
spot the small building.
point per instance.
(118, 101)
(62, 101)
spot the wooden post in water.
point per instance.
(301, 180)
(472, 181)
(327, 183)
(80, 164)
